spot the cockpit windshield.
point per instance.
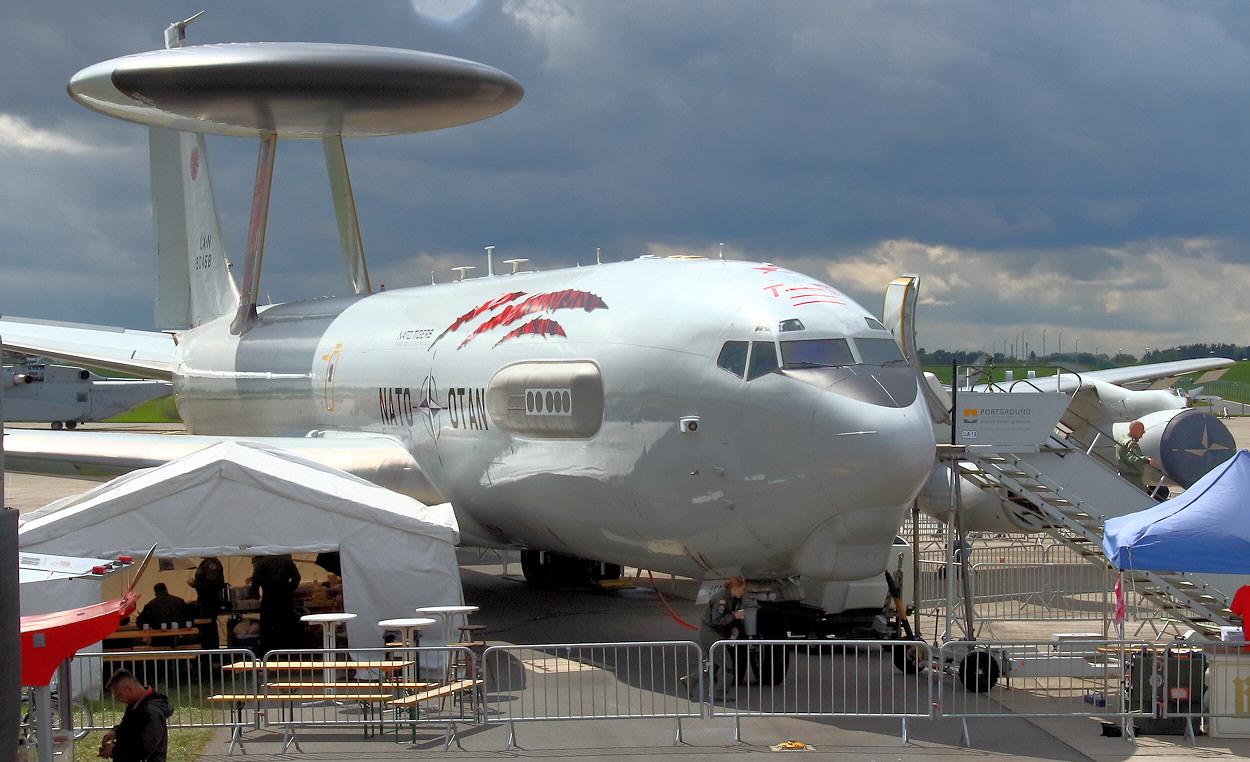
(816, 353)
(751, 360)
(879, 351)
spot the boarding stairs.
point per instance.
(1065, 492)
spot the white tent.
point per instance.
(238, 499)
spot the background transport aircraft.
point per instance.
(701, 417)
(66, 396)
(1185, 442)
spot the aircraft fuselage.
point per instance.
(610, 412)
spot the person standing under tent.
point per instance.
(275, 579)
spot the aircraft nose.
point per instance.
(870, 461)
(870, 454)
(886, 386)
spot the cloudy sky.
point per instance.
(1073, 168)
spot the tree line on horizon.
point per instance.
(944, 357)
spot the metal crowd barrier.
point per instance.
(1051, 678)
(814, 678)
(187, 677)
(1143, 687)
(592, 681)
(1207, 681)
(1042, 592)
(1016, 592)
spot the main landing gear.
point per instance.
(546, 569)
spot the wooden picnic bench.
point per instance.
(440, 691)
(413, 702)
(291, 693)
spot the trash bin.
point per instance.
(1165, 682)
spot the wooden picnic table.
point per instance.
(382, 665)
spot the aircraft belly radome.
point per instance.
(295, 90)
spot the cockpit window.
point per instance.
(733, 358)
(763, 359)
(878, 351)
(792, 324)
(816, 353)
(874, 323)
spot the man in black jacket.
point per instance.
(141, 736)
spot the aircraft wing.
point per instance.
(1158, 370)
(1070, 382)
(144, 353)
(102, 455)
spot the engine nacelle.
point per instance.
(984, 510)
(1185, 443)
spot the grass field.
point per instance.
(156, 411)
(185, 744)
(1239, 372)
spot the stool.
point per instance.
(473, 634)
(461, 667)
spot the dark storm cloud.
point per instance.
(1059, 150)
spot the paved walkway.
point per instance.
(1008, 737)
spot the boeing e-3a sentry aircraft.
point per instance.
(695, 416)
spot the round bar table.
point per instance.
(448, 614)
(329, 630)
(409, 629)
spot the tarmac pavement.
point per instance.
(515, 613)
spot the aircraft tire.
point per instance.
(71, 425)
(57, 425)
(978, 671)
(538, 572)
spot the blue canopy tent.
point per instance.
(1206, 529)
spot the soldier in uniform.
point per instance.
(1132, 460)
(723, 621)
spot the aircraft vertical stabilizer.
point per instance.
(193, 276)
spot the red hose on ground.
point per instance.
(667, 607)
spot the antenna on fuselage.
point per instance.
(464, 271)
(598, 260)
(516, 264)
(490, 260)
(720, 251)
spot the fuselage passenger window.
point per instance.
(763, 359)
(733, 358)
(816, 353)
